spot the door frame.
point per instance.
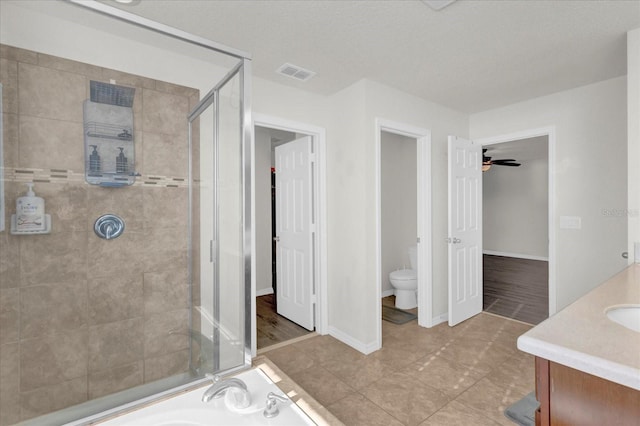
(318, 135)
(550, 132)
(425, 254)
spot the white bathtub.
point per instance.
(187, 409)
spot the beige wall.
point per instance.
(590, 176)
(83, 317)
(351, 204)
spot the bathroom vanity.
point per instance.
(588, 365)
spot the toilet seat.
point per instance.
(404, 275)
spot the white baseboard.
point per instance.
(440, 319)
(516, 255)
(264, 291)
(387, 293)
(354, 343)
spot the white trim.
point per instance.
(440, 319)
(388, 293)
(425, 255)
(365, 348)
(550, 132)
(516, 255)
(264, 291)
(320, 205)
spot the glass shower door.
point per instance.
(220, 261)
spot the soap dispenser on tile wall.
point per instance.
(30, 212)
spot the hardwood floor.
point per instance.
(271, 327)
(516, 288)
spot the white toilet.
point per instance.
(405, 282)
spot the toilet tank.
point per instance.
(413, 257)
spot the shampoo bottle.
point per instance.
(30, 212)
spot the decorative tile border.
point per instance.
(23, 174)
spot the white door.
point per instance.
(294, 232)
(465, 229)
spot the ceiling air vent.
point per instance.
(294, 71)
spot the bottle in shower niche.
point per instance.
(94, 160)
(30, 212)
(121, 161)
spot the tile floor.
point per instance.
(462, 375)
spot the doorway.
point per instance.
(420, 194)
(515, 229)
(549, 134)
(274, 320)
(516, 142)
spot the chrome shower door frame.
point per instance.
(243, 70)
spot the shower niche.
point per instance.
(109, 154)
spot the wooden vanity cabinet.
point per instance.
(571, 397)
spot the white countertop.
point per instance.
(582, 337)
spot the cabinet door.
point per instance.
(578, 398)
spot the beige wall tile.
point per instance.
(66, 203)
(52, 398)
(9, 315)
(84, 297)
(50, 308)
(159, 113)
(166, 365)
(173, 237)
(46, 144)
(159, 259)
(9, 384)
(125, 202)
(165, 155)
(138, 148)
(164, 207)
(9, 256)
(114, 298)
(61, 64)
(166, 332)
(116, 256)
(115, 344)
(53, 94)
(105, 382)
(17, 54)
(126, 79)
(9, 80)
(53, 258)
(10, 139)
(165, 291)
(174, 89)
(53, 358)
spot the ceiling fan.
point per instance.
(487, 162)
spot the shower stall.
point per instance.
(141, 284)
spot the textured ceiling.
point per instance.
(471, 56)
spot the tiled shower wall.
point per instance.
(82, 317)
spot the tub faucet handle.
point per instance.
(271, 410)
(213, 377)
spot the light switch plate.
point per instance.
(636, 252)
(570, 222)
